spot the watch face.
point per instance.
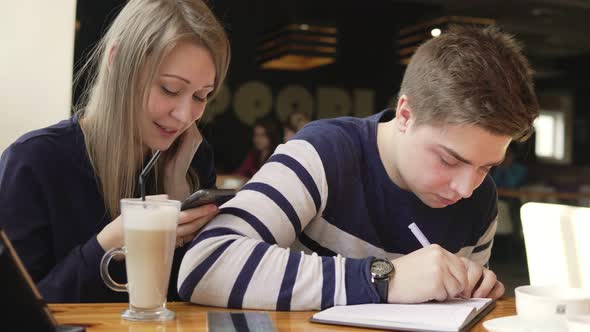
(381, 267)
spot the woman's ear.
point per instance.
(404, 115)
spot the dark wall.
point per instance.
(367, 55)
(93, 18)
(580, 83)
(367, 59)
(575, 81)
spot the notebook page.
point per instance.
(477, 303)
(432, 314)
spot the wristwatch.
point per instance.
(382, 270)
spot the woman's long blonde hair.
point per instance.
(122, 68)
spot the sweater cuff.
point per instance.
(92, 254)
(359, 288)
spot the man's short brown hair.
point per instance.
(472, 76)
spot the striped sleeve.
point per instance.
(483, 248)
(241, 259)
(488, 201)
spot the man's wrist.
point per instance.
(382, 271)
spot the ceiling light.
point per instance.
(298, 46)
(411, 37)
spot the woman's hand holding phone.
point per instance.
(197, 210)
(192, 220)
(177, 166)
(207, 196)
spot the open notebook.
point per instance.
(451, 316)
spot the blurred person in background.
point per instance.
(295, 121)
(511, 173)
(265, 139)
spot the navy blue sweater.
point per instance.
(52, 209)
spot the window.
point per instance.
(552, 142)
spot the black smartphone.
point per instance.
(208, 196)
(239, 322)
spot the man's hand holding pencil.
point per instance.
(433, 273)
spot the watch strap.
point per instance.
(382, 286)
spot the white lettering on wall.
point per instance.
(333, 102)
(251, 101)
(218, 104)
(291, 98)
(254, 99)
(364, 101)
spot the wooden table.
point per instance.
(190, 317)
(539, 195)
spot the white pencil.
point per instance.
(419, 235)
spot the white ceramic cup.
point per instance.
(549, 306)
(578, 323)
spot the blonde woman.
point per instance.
(151, 77)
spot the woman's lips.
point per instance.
(166, 132)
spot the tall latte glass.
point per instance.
(149, 237)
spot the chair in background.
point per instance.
(539, 188)
(505, 222)
(557, 244)
(585, 188)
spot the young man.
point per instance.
(325, 221)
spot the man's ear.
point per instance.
(404, 116)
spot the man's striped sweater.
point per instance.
(301, 233)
